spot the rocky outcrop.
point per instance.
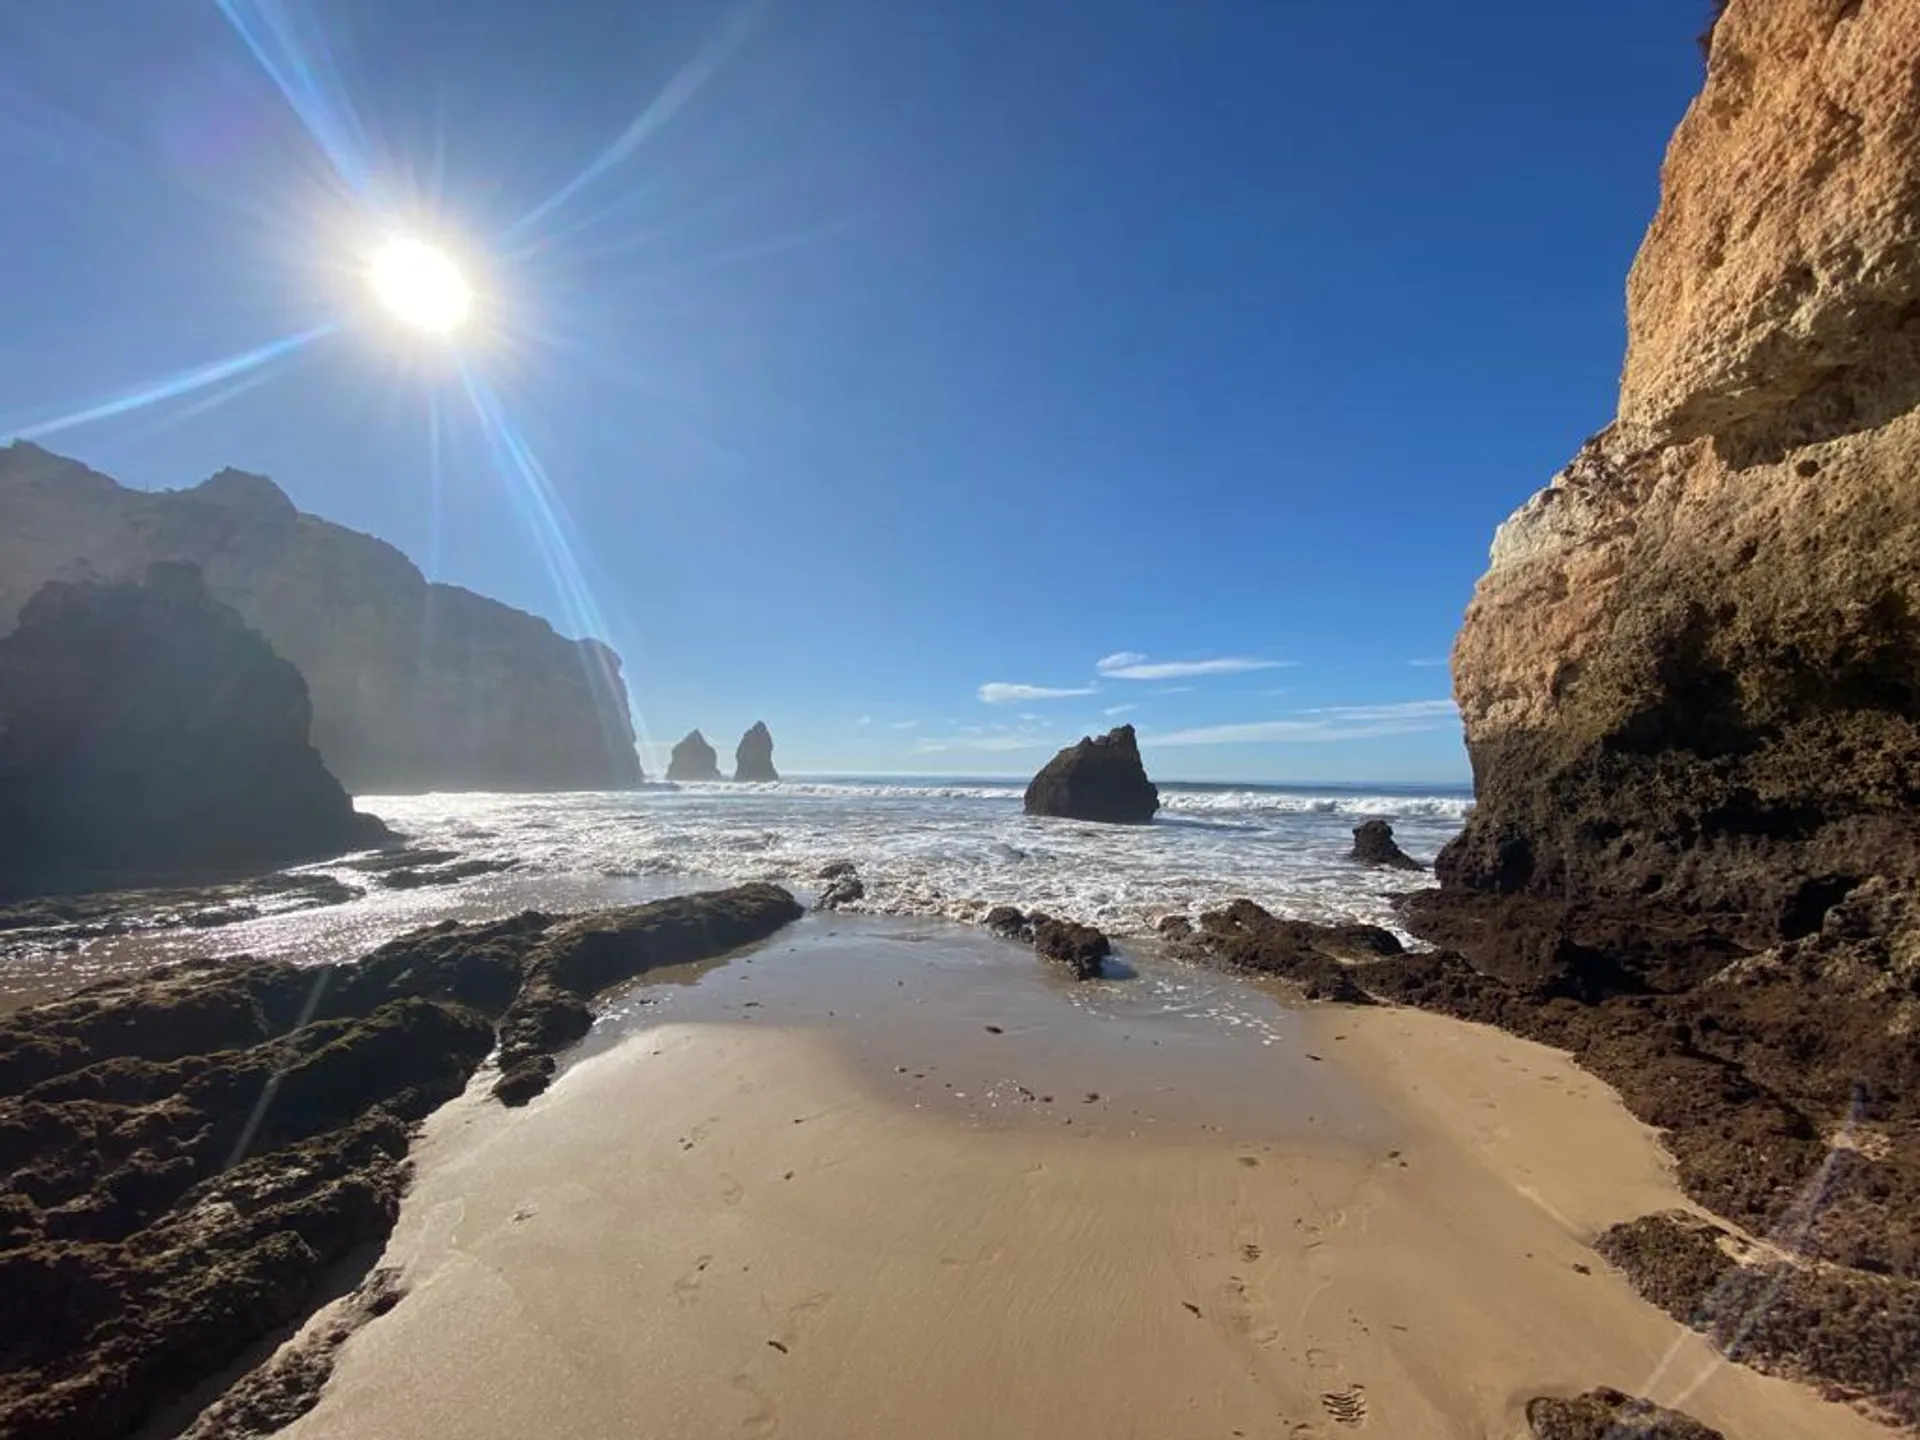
(753, 758)
(1692, 670)
(1690, 681)
(1083, 949)
(1373, 844)
(415, 686)
(694, 759)
(147, 734)
(188, 1153)
(1610, 1415)
(1101, 779)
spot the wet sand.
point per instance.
(816, 1195)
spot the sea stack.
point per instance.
(753, 758)
(694, 759)
(1691, 673)
(147, 733)
(1101, 779)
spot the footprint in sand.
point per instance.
(1348, 1406)
(1246, 1302)
(687, 1288)
(762, 1419)
(731, 1190)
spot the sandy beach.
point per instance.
(813, 1193)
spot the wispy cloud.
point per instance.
(1132, 665)
(864, 721)
(929, 745)
(1329, 722)
(903, 725)
(1119, 709)
(1426, 664)
(1000, 692)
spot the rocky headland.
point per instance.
(1101, 779)
(415, 686)
(191, 1154)
(148, 734)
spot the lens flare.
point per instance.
(420, 285)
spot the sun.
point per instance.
(420, 285)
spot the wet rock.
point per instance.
(1079, 947)
(187, 1153)
(694, 759)
(753, 758)
(1173, 927)
(1373, 844)
(842, 891)
(1100, 779)
(578, 959)
(1320, 959)
(415, 686)
(418, 877)
(835, 870)
(147, 733)
(1610, 1415)
(1008, 922)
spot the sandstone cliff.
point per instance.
(415, 686)
(1692, 671)
(147, 733)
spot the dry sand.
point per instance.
(717, 1224)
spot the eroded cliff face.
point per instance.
(415, 686)
(1692, 670)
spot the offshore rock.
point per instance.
(1099, 779)
(185, 1155)
(753, 758)
(1373, 844)
(1081, 948)
(415, 686)
(147, 734)
(694, 759)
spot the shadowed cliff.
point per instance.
(415, 686)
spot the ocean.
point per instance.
(928, 848)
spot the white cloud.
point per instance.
(1396, 710)
(1426, 664)
(928, 745)
(1132, 665)
(1331, 722)
(864, 721)
(1174, 690)
(999, 692)
(1119, 709)
(903, 725)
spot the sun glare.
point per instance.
(420, 285)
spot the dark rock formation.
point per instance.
(844, 886)
(187, 1153)
(1610, 1415)
(1081, 948)
(753, 758)
(415, 686)
(1244, 938)
(145, 734)
(1373, 844)
(694, 759)
(1099, 779)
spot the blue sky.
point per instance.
(936, 379)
